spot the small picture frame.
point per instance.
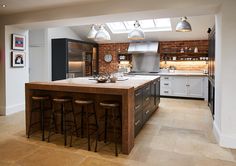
(17, 59)
(18, 42)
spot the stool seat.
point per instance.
(63, 100)
(109, 104)
(84, 102)
(40, 97)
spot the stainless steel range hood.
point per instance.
(148, 47)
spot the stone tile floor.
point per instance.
(179, 134)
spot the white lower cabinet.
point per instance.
(195, 87)
(179, 86)
(182, 86)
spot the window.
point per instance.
(149, 25)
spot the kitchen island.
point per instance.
(127, 92)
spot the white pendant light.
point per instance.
(137, 33)
(102, 34)
(92, 33)
(183, 25)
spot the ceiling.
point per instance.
(17, 6)
(199, 24)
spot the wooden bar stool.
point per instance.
(85, 104)
(40, 100)
(113, 108)
(66, 124)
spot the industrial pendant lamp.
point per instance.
(183, 25)
(137, 33)
(92, 33)
(102, 34)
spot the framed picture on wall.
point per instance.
(18, 42)
(17, 59)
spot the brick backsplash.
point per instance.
(114, 49)
(165, 46)
(175, 46)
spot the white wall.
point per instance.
(2, 71)
(37, 55)
(225, 123)
(15, 77)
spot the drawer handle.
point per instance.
(137, 94)
(147, 98)
(137, 107)
(166, 84)
(166, 91)
(166, 78)
(147, 112)
(136, 123)
(187, 85)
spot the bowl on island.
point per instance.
(102, 79)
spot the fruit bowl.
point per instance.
(102, 79)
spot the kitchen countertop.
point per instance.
(182, 74)
(126, 83)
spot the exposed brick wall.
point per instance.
(175, 46)
(113, 49)
(165, 46)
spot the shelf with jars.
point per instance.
(183, 56)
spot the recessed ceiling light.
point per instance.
(4, 5)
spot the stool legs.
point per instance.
(65, 123)
(97, 134)
(42, 119)
(41, 111)
(105, 133)
(82, 121)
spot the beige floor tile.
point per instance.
(48, 156)
(90, 161)
(13, 150)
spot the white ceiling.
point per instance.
(199, 24)
(17, 6)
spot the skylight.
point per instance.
(149, 25)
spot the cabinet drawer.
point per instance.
(138, 97)
(138, 122)
(147, 113)
(165, 84)
(165, 78)
(165, 92)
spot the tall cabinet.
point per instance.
(211, 71)
(73, 58)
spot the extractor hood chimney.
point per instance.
(147, 47)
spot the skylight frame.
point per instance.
(128, 27)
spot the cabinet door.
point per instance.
(138, 100)
(179, 87)
(146, 94)
(157, 95)
(195, 87)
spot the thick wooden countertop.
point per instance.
(127, 82)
